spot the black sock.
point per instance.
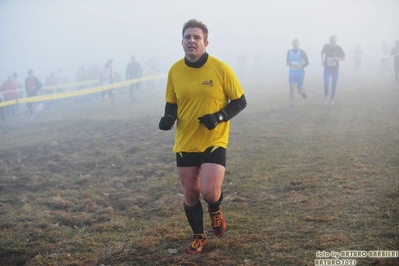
(195, 216)
(214, 207)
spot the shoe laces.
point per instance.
(216, 219)
(197, 241)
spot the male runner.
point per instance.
(297, 60)
(330, 57)
(395, 54)
(202, 94)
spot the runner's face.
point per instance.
(333, 41)
(194, 44)
(295, 44)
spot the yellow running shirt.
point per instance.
(197, 92)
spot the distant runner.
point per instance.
(297, 60)
(395, 54)
(330, 57)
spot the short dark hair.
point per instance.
(193, 23)
(109, 62)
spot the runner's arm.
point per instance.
(233, 108)
(305, 58)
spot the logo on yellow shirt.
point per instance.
(207, 83)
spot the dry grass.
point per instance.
(92, 185)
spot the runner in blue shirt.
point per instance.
(297, 60)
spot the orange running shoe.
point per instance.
(218, 223)
(197, 244)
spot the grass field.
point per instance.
(97, 185)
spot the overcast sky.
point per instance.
(45, 35)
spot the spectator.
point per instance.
(107, 77)
(133, 71)
(10, 93)
(32, 86)
(20, 86)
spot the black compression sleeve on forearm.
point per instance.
(233, 108)
(305, 58)
(171, 110)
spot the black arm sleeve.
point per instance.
(305, 58)
(233, 108)
(171, 110)
(342, 53)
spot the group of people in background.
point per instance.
(133, 71)
(14, 89)
(331, 55)
(297, 60)
(107, 75)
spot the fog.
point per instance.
(47, 35)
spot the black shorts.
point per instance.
(211, 155)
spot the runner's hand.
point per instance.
(166, 122)
(210, 121)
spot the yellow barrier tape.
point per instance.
(81, 92)
(71, 84)
(59, 86)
